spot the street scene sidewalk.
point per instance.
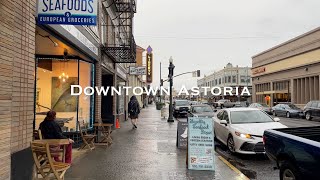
(148, 152)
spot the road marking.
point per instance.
(241, 175)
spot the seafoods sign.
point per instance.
(74, 12)
(200, 144)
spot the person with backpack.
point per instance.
(134, 111)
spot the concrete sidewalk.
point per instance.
(148, 152)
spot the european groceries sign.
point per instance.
(74, 12)
(200, 144)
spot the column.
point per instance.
(311, 84)
(294, 91)
(298, 91)
(307, 91)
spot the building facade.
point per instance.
(229, 76)
(39, 63)
(288, 72)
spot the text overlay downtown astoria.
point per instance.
(77, 90)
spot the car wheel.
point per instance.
(289, 172)
(274, 113)
(308, 116)
(288, 115)
(230, 144)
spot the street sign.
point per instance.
(182, 135)
(200, 144)
(72, 12)
(141, 70)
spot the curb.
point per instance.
(242, 176)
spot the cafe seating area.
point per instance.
(45, 151)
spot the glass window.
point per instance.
(234, 80)
(219, 115)
(225, 116)
(243, 117)
(314, 104)
(85, 108)
(53, 92)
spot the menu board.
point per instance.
(200, 144)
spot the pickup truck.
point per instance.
(296, 151)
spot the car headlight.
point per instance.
(248, 136)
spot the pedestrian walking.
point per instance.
(134, 111)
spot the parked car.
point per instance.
(229, 104)
(241, 129)
(220, 103)
(193, 102)
(312, 109)
(296, 151)
(287, 110)
(262, 107)
(201, 110)
(181, 108)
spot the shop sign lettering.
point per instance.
(74, 12)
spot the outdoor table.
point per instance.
(56, 142)
(106, 132)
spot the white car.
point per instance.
(241, 129)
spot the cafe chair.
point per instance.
(37, 134)
(87, 139)
(106, 135)
(45, 166)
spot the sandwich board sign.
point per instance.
(71, 12)
(200, 144)
(182, 135)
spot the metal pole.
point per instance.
(171, 67)
(160, 83)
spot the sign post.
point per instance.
(200, 144)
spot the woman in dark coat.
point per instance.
(50, 129)
(134, 110)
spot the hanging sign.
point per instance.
(200, 144)
(74, 12)
(149, 64)
(141, 70)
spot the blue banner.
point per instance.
(200, 144)
(71, 12)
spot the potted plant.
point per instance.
(159, 105)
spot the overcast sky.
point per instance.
(207, 34)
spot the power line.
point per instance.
(208, 38)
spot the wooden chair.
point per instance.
(37, 134)
(106, 134)
(87, 139)
(45, 166)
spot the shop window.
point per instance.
(53, 92)
(234, 80)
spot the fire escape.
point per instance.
(124, 50)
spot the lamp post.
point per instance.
(170, 76)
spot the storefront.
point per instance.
(60, 64)
(288, 73)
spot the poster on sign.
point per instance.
(72, 12)
(200, 144)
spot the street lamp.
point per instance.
(170, 76)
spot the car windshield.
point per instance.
(182, 103)
(264, 105)
(202, 109)
(244, 117)
(292, 106)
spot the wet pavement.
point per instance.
(148, 152)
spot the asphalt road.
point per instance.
(259, 166)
